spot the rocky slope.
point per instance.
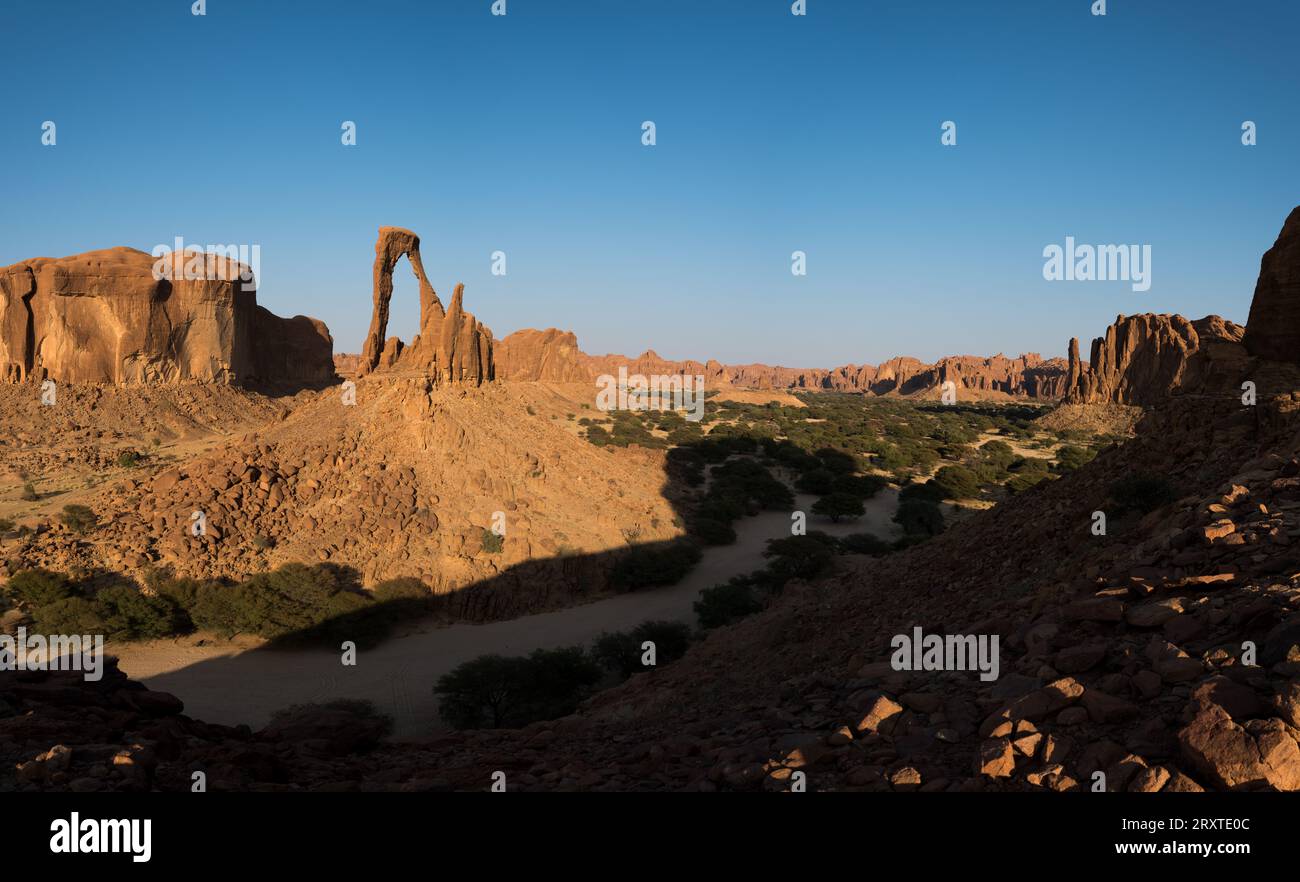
(108, 317)
(402, 483)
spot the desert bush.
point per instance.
(307, 603)
(864, 543)
(407, 588)
(660, 564)
(1070, 457)
(862, 486)
(499, 692)
(128, 459)
(801, 557)
(957, 482)
(818, 481)
(621, 651)
(712, 532)
(727, 603)
(129, 614)
(837, 461)
(919, 517)
(1022, 481)
(29, 493)
(68, 615)
(492, 541)
(928, 491)
(78, 518)
(839, 505)
(37, 587)
(720, 508)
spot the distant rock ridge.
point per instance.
(554, 355)
(103, 317)
(452, 346)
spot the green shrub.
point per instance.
(1022, 481)
(498, 692)
(39, 586)
(1070, 457)
(818, 481)
(839, 505)
(69, 615)
(837, 461)
(957, 482)
(919, 517)
(78, 518)
(408, 588)
(712, 532)
(800, 557)
(493, 542)
(928, 491)
(128, 459)
(129, 614)
(862, 486)
(727, 603)
(29, 493)
(864, 543)
(621, 651)
(661, 564)
(295, 599)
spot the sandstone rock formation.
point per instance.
(551, 356)
(1142, 359)
(554, 355)
(1273, 328)
(103, 317)
(452, 346)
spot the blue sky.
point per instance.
(775, 133)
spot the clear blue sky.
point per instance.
(775, 133)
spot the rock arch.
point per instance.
(452, 346)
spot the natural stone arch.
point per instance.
(452, 345)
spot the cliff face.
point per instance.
(103, 317)
(1142, 359)
(551, 356)
(452, 346)
(1273, 328)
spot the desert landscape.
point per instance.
(439, 506)
(755, 398)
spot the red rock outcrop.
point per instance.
(452, 346)
(551, 356)
(108, 317)
(1142, 359)
(554, 355)
(1273, 328)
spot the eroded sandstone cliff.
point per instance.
(107, 317)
